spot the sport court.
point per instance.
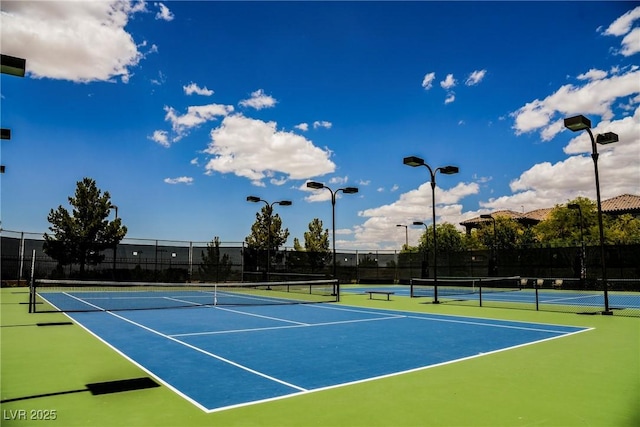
(221, 357)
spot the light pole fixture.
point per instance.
(414, 161)
(255, 199)
(493, 267)
(583, 265)
(406, 235)
(578, 123)
(347, 190)
(12, 65)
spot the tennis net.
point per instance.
(472, 287)
(76, 295)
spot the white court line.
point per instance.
(215, 356)
(301, 325)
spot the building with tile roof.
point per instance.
(619, 205)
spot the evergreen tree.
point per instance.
(79, 237)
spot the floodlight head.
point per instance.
(486, 216)
(5, 133)
(315, 185)
(413, 161)
(607, 138)
(350, 190)
(577, 123)
(573, 206)
(285, 203)
(253, 199)
(2, 168)
(449, 170)
(12, 65)
(418, 223)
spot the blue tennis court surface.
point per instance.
(223, 357)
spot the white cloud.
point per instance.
(631, 43)
(623, 24)
(192, 88)
(195, 116)
(364, 182)
(448, 82)
(259, 100)
(302, 126)
(379, 229)
(255, 149)
(180, 180)
(339, 180)
(593, 98)
(322, 124)
(164, 13)
(475, 77)
(547, 184)
(427, 81)
(593, 74)
(195, 161)
(76, 41)
(450, 98)
(161, 137)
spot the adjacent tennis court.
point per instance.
(220, 357)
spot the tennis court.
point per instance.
(220, 357)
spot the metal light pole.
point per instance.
(347, 190)
(423, 269)
(414, 161)
(406, 235)
(115, 245)
(583, 265)
(255, 199)
(494, 258)
(575, 124)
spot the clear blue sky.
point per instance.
(183, 109)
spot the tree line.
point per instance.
(82, 235)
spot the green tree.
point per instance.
(562, 226)
(624, 230)
(509, 234)
(267, 234)
(214, 266)
(316, 245)
(449, 238)
(80, 236)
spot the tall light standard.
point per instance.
(414, 161)
(347, 190)
(115, 245)
(578, 123)
(423, 268)
(15, 67)
(493, 266)
(406, 235)
(583, 265)
(255, 199)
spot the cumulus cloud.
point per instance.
(378, 229)
(623, 26)
(448, 82)
(180, 180)
(427, 81)
(322, 124)
(594, 98)
(592, 74)
(256, 150)
(60, 38)
(195, 116)
(192, 88)
(475, 77)
(302, 126)
(259, 100)
(164, 13)
(161, 137)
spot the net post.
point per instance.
(480, 291)
(32, 284)
(337, 284)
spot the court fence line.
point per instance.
(158, 260)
